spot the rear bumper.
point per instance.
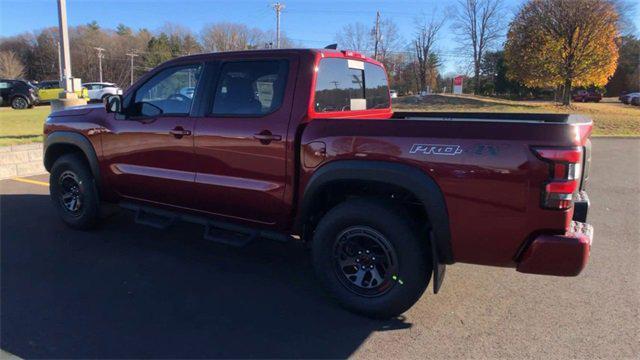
(560, 255)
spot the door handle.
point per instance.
(267, 137)
(178, 132)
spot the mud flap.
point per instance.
(438, 268)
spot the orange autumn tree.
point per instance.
(566, 43)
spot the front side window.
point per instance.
(168, 92)
(250, 88)
(347, 85)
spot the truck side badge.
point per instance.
(436, 149)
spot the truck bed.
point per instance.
(483, 163)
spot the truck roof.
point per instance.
(239, 53)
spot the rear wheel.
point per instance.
(367, 254)
(73, 192)
(19, 103)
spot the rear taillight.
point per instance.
(564, 176)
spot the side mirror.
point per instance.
(113, 104)
(149, 109)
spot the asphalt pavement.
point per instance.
(131, 291)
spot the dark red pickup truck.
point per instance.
(303, 144)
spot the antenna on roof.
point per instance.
(332, 46)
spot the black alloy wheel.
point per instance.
(71, 197)
(365, 261)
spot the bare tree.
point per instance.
(390, 39)
(478, 25)
(10, 65)
(354, 37)
(423, 45)
(229, 37)
(358, 37)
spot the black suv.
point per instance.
(19, 93)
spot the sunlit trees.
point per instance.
(555, 43)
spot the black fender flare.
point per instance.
(408, 177)
(74, 139)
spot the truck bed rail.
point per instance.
(489, 117)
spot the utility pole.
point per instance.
(59, 62)
(67, 97)
(100, 56)
(278, 7)
(132, 55)
(377, 36)
(64, 41)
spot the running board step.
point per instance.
(228, 237)
(155, 218)
(218, 231)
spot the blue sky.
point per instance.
(312, 23)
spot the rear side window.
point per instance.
(377, 87)
(250, 88)
(345, 85)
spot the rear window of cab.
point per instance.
(350, 85)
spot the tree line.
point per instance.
(34, 56)
(547, 49)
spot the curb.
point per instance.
(21, 160)
(5, 355)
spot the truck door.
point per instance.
(240, 142)
(149, 151)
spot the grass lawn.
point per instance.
(610, 117)
(22, 126)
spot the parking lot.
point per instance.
(137, 292)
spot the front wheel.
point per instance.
(370, 258)
(74, 192)
(19, 103)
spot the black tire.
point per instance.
(67, 170)
(104, 98)
(401, 287)
(19, 103)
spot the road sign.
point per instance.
(457, 84)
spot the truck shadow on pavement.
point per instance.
(126, 290)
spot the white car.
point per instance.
(100, 90)
(187, 91)
(394, 94)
